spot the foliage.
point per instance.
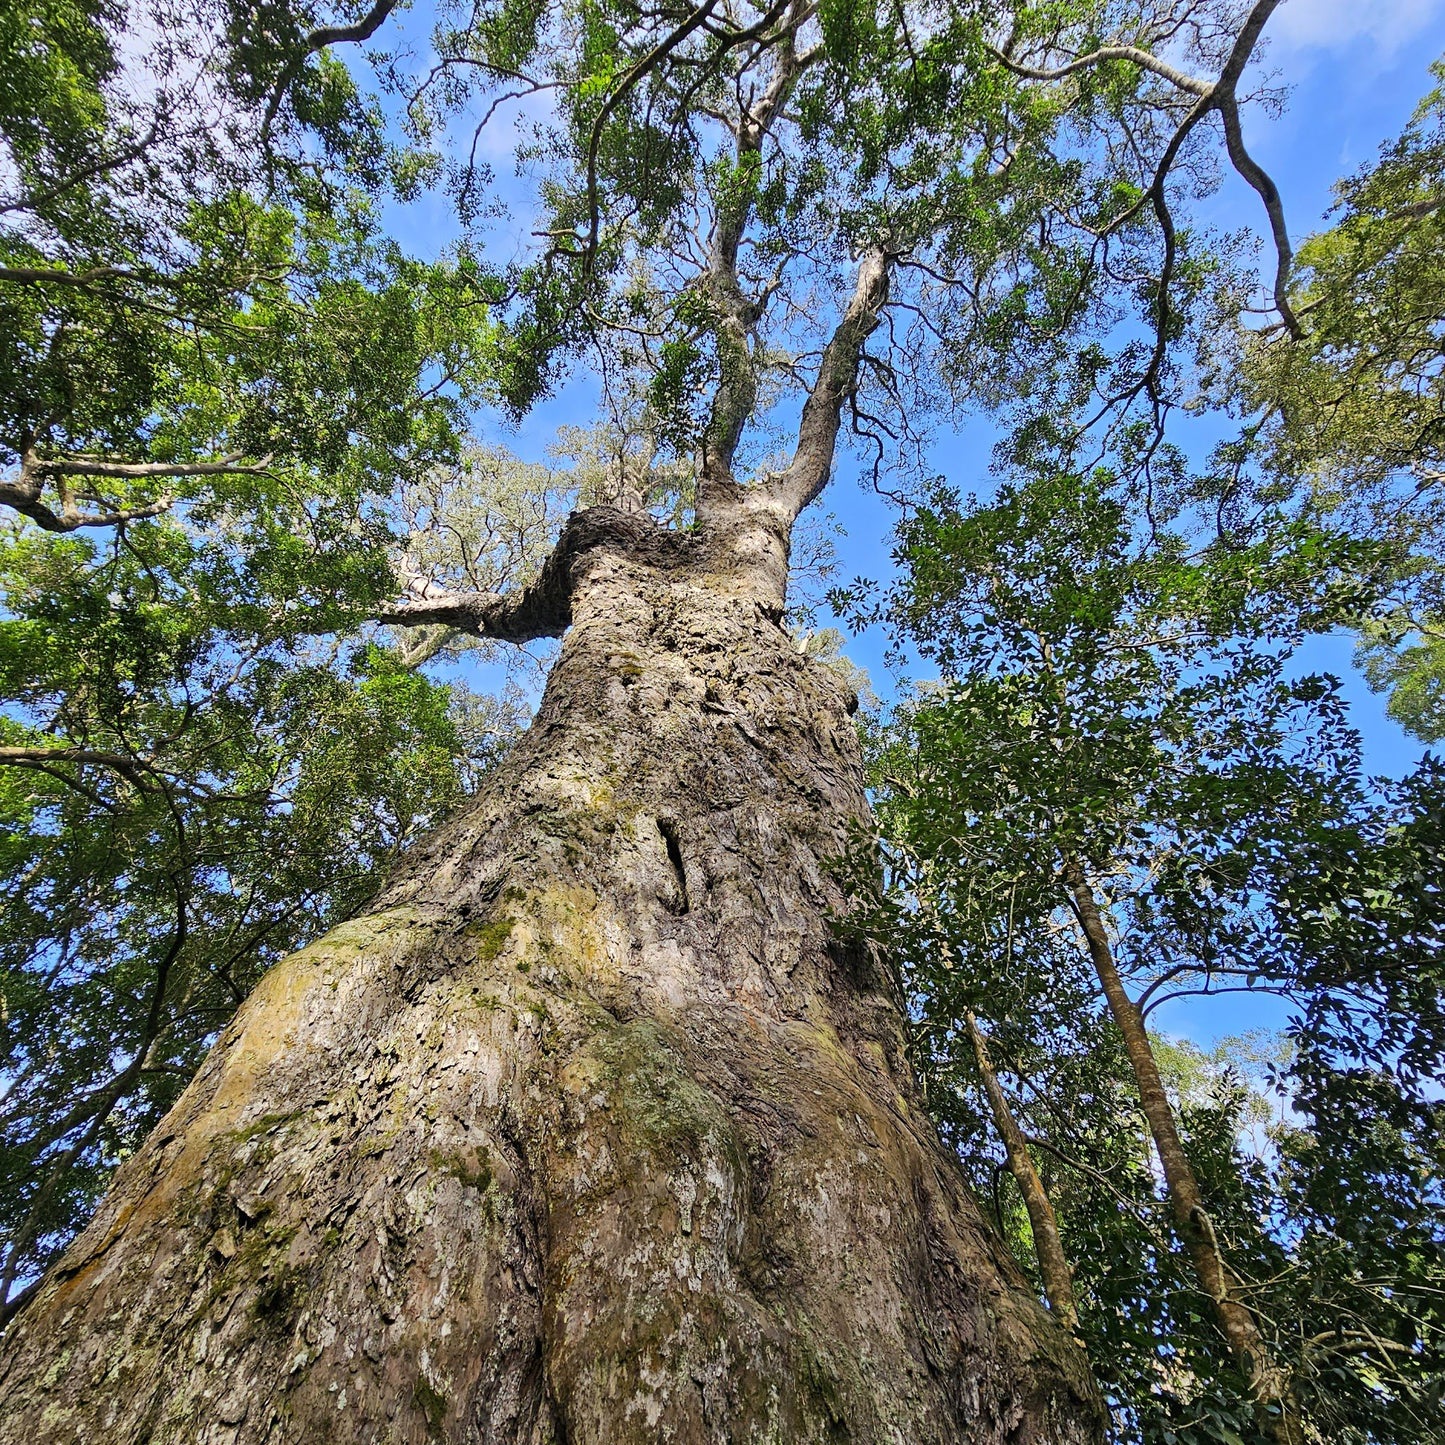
(191, 311)
(1352, 412)
(1123, 696)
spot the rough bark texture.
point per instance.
(591, 1131)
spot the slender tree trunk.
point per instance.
(1268, 1381)
(591, 1130)
(1043, 1222)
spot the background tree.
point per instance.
(1117, 789)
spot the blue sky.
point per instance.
(1354, 70)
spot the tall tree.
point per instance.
(590, 1126)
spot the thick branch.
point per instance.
(544, 609)
(812, 463)
(98, 467)
(26, 500)
(1416, 209)
(363, 29)
(140, 773)
(1142, 58)
(42, 275)
(1268, 192)
(1223, 99)
(736, 313)
(25, 494)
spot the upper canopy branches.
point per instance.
(764, 221)
(711, 179)
(761, 220)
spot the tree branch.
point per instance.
(619, 92)
(543, 609)
(319, 39)
(136, 771)
(736, 313)
(41, 275)
(98, 467)
(812, 464)
(1218, 96)
(24, 495)
(1268, 192)
(1142, 58)
(26, 501)
(697, 20)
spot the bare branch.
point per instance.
(99, 467)
(1142, 58)
(543, 609)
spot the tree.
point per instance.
(1114, 795)
(217, 394)
(591, 1125)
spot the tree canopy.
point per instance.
(244, 506)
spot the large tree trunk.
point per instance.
(590, 1131)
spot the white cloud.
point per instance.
(1386, 25)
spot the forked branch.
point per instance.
(319, 39)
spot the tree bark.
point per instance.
(1054, 1268)
(592, 1130)
(1268, 1381)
